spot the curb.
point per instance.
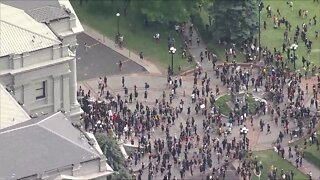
(188, 72)
(150, 67)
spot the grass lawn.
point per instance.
(270, 158)
(273, 38)
(311, 153)
(252, 103)
(225, 109)
(137, 37)
(222, 104)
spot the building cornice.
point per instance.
(36, 66)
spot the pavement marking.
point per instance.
(88, 87)
(92, 45)
(124, 61)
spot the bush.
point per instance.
(115, 159)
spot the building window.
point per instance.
(41, 90)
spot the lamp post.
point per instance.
(118, 17)
(294, 47)
(259, 38)
(172, 50)
(244, 131)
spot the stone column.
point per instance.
(56, 93)
(56, 54)
(75, 110)
(27, 96)
(73, 82)
(17, 61)
(19, 93)
(66, 96)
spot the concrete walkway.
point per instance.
(150, 67)
(306, 166)
(195, 50)
(259, 141)
(254, 136)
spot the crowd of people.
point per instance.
(185, 146)
(188, 149)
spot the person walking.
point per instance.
(198, 41)
(268, 129)
(122, 80)
(105, 80)
(145, 95)
(86, 47)
(120, 65)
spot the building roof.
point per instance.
(68, 5)
(11, 112)
(41, 145)
(20, 33)
(56, 10)
(30, 4)
(46, 14)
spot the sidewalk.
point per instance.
(258, 140)
(150, 67)
(306, 166)
(195, 50)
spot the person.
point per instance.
(278, 11)
(122, 80)
(198, 41)
(141, 55)
(292, 174)
(105, 80)
(261, 125)
(156, 37)
(291, 5)
(120, 41)
(268, 8)
(310, 175)
(146, 86)
(268, 129)
(100, 82)
(120, 65)
(145, 95)
(85, 47)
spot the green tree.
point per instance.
(154, 11)
(107, 8)
(164, 11)
(115, 159)
(234, 21)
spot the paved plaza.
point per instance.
(159, 85)
(99, 60)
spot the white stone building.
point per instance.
(49, 147)
(11, 112)
(37, 55)
(38, 67)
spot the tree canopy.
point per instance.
(159, 11)
(163, 11)
(115, 159)
(234, 20)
